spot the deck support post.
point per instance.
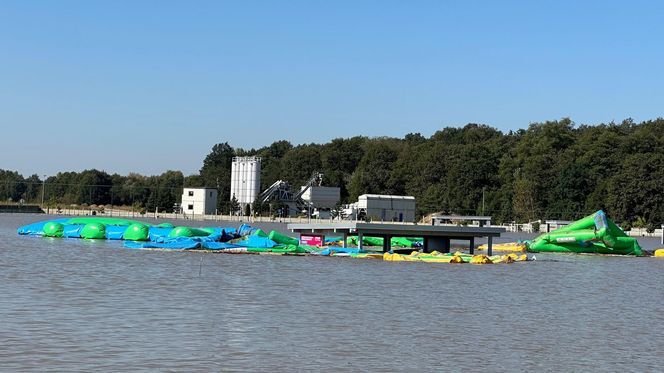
(387, 243)
(446, 245)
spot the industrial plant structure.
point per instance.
(311, 198)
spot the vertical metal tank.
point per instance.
(245, 179)
(241, 181)
(234, 178)
(256, 187)
(251, 176)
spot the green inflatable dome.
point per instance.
(93, 231)
(136, 232)
(53, 229)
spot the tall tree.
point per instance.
(299, 164)
(216, 170)
(375, 168)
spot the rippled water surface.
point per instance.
(76, 305)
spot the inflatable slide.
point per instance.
(593, 234)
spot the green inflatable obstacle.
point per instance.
(283, 239)
(281, 249)
(54, 229)
(94, 231)
(188, 232)
(259, 232)
(104, 221)
(136, 232)
(378, 241)
(593, 234)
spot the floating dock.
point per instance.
(436, 237)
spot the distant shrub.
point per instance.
(650, 228)
(536, 226)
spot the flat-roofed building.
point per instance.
(199, 201)
(386, 207)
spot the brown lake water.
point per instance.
(79, 306)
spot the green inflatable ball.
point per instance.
(136, 232)
(94, 231)
(165, 225)
(53, 229)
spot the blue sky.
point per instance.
(147, 86)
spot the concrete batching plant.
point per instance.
(312, 197)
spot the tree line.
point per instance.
(551, 170)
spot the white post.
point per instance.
(43, 187)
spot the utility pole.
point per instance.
(483, 200)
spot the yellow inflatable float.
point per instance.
(505, 247)
(659, 253)
(457, 257)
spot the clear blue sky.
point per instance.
(147, 86)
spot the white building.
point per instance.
(387, 207)
(381, 207)
(245, 179)
(199, 201)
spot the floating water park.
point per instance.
(594, 234)
(247, 240)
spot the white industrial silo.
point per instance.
(251, 177)
(245, 179)
(256, 187)
(234, 179)
(242, 179)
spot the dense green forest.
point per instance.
(552, 170)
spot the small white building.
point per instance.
(199, 201)
(386, 207)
